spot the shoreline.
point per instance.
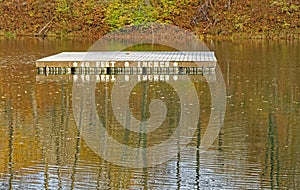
(235, 36)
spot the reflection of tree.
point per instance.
(263, 102)
(40, 128)
(272, 162)
(76, 159)
(11, 147)
(18, 128)
(198, 133)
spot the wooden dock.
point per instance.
(128, 62)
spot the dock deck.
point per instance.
(127, 62)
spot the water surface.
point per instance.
(258, 146)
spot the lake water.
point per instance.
(257, 148)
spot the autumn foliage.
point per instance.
(219, 18)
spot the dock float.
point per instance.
(128, 63)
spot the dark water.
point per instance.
(257, 148)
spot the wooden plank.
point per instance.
(129, 59)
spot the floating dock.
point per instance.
(128, 63)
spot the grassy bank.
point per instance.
(221, 19)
